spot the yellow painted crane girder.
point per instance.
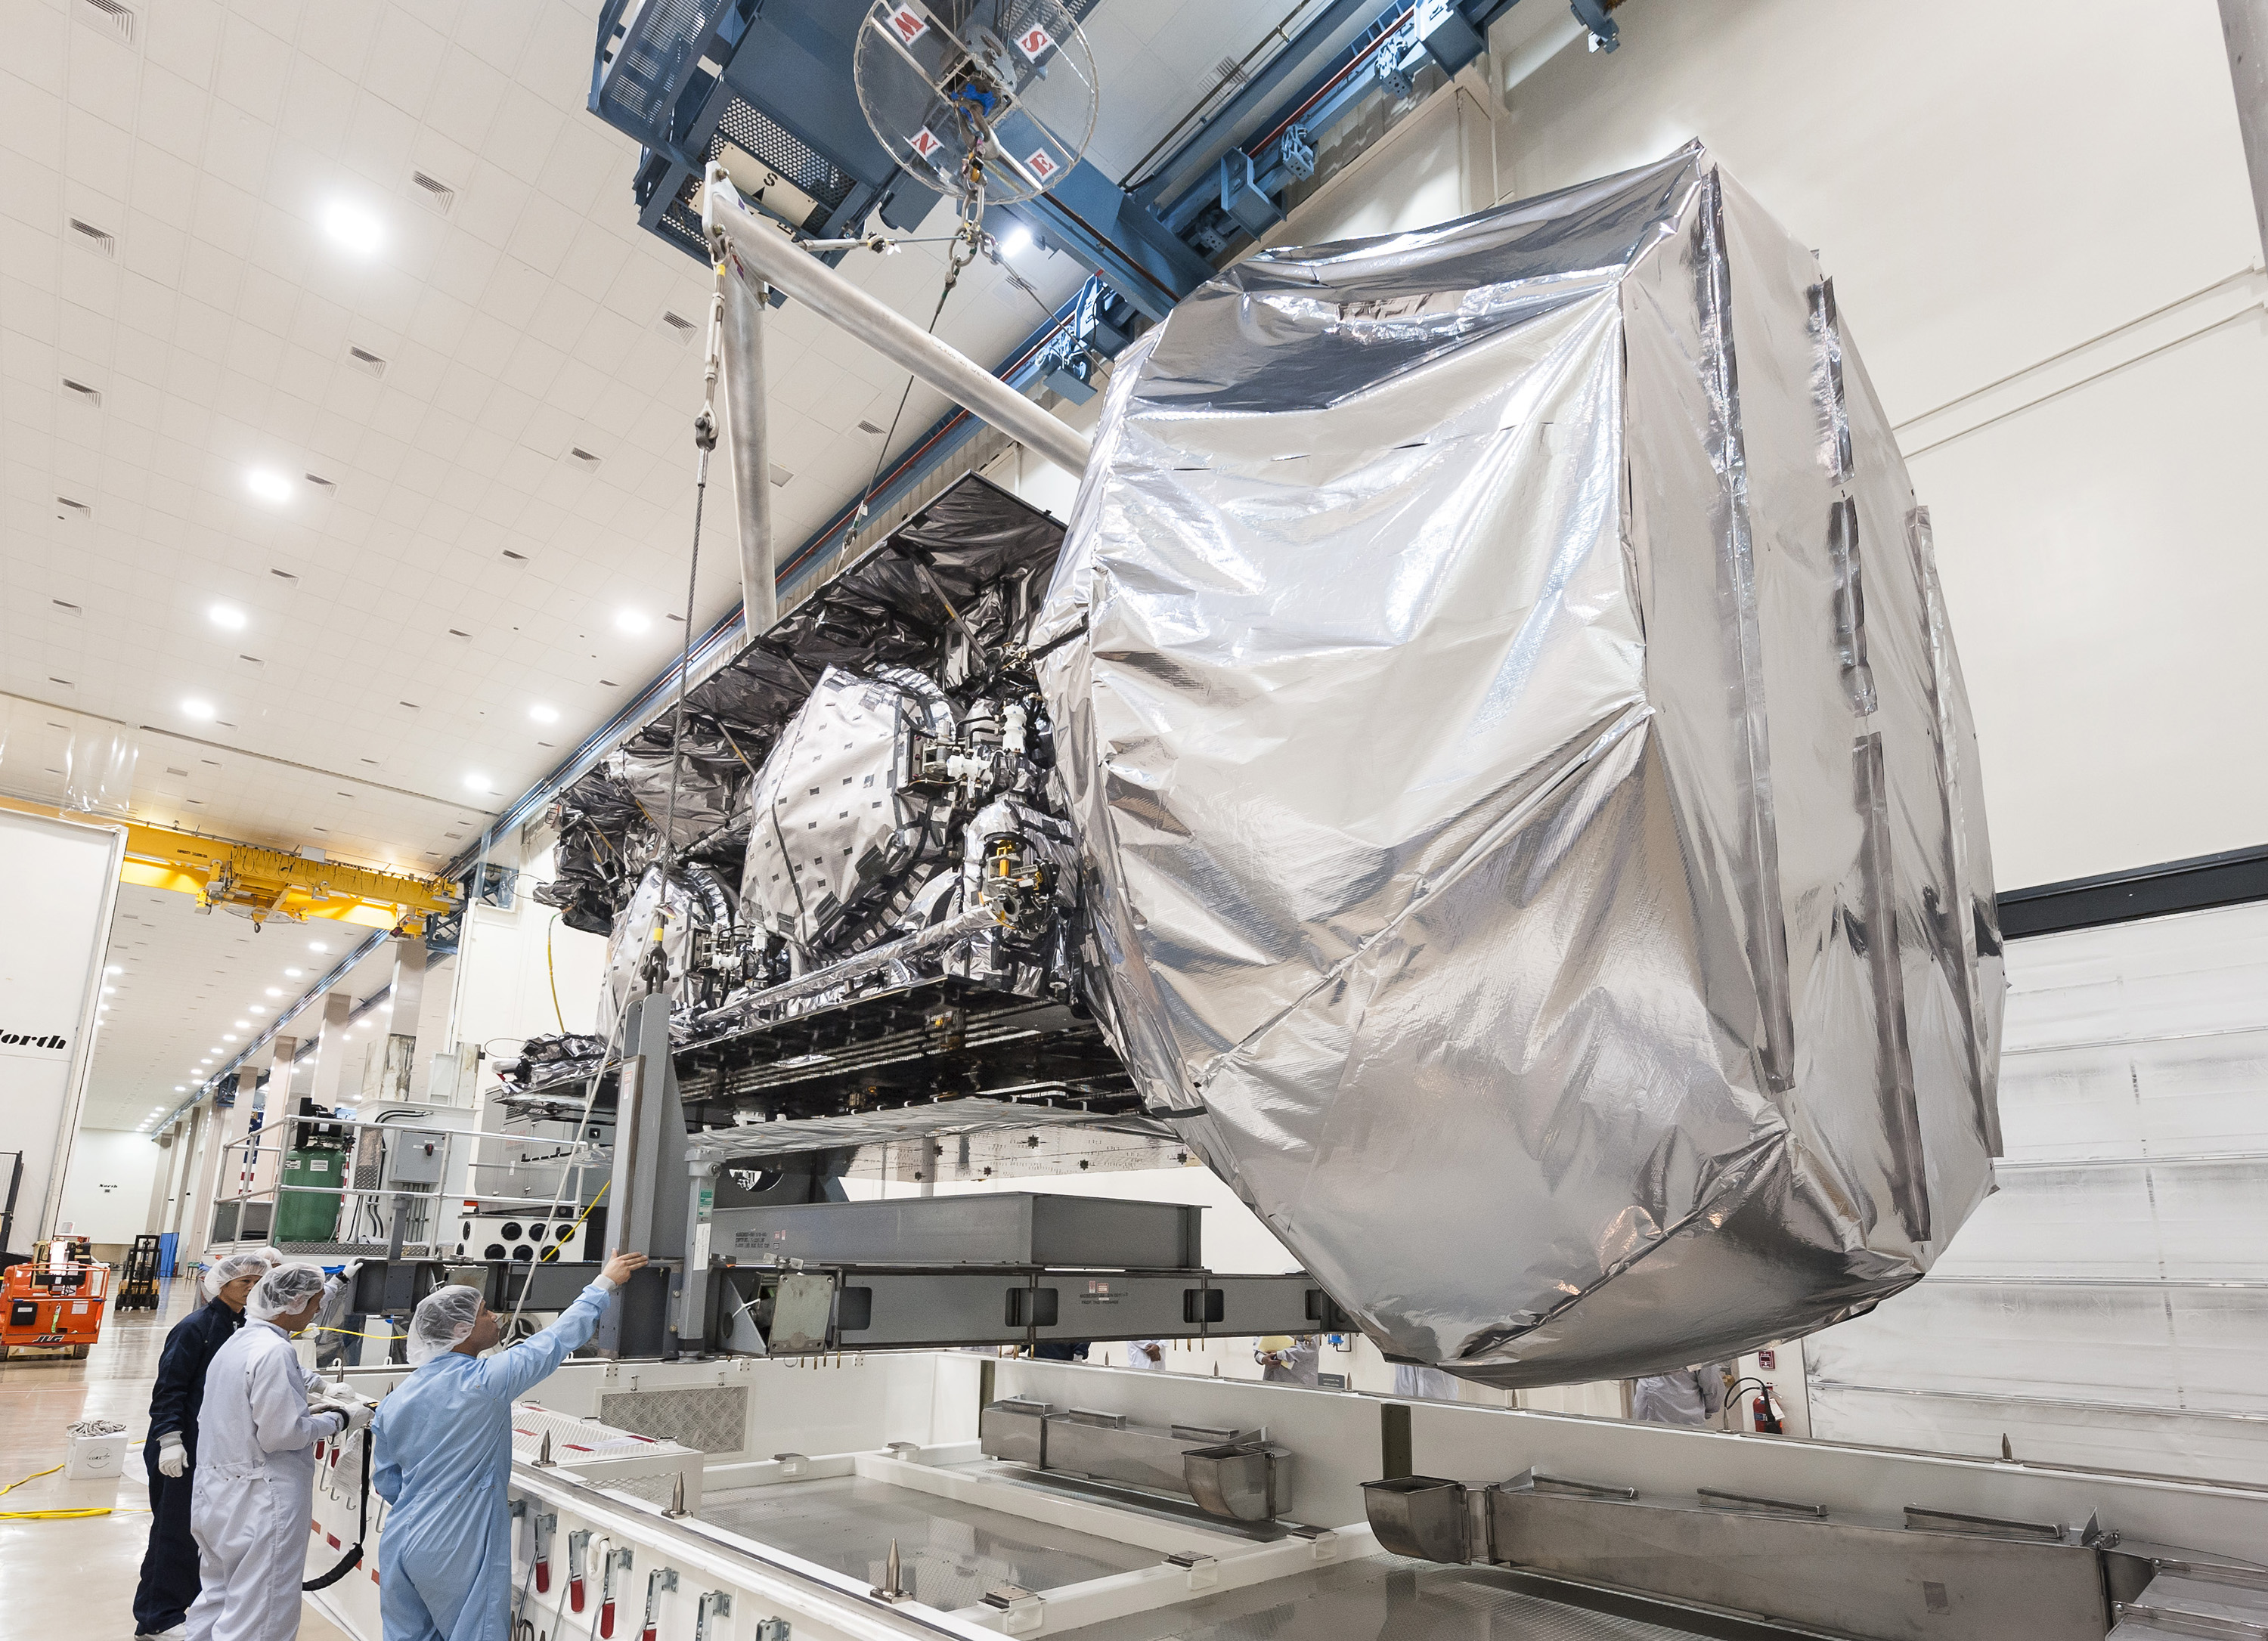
(266, 883)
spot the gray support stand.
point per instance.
(647, 1196)
(2244, 28)
(745, 440)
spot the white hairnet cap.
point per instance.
(284, 1290)
(231, 1266)
(443, 1320)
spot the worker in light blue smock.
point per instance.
(443, 1459)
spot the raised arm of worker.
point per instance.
(454, 1322)
(444, 1460)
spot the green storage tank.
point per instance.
(310, 1216)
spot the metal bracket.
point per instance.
(1593, 16)
(1240, 197)
(714, 1603)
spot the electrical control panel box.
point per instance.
(416, 1157)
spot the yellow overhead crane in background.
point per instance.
(262, 883)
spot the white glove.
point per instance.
(353, 1416)
(172, 1458)
(320, 1389)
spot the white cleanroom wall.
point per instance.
(2109, 1306)
(2009, 199)
(107, 1195)
(52, 946)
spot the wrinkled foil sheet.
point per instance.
(829, 825)
(974, 552)
(1527, 787)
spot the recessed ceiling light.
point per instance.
(478, 782)
(181, 1088)
(244, 1023)
(109, 990)
(226, 615)
(228, 1036)
(1016, 239)
(275, 991)
(293, 974)
(543, 715)
(199, 709)
(633, 621)
(268, 484)
(317, 945)
(114, 969)
(353, 227)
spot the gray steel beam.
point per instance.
(2245, 26)
(778, 261)
(747, 444)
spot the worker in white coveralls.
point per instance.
(255, 1488)
(1691, 1397)
(443, 1458)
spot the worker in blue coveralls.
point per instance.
(169, 1566)
(443, 1458)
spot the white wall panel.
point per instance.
(107, 1195)
(1996, 191)
(2109, 1305)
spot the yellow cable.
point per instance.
(552, 1252)
(71, 1515)
(35, 1477)
(553, 972)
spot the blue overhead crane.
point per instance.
(765, 87)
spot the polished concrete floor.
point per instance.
(75, 1579)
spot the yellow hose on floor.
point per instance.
(35, 1477)
(62, 1514)
(71, 1515)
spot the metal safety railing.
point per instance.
(338, 1186)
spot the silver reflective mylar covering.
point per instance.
(1527, 784)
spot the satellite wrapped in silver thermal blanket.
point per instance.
(1527, 793)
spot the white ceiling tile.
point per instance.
(147, 307)
(103, 77)
(466, 97)
(99, 160)
(236, 147)
(403, 61)
(164, 187)
(84, 331)
(497, 31)
(31, 119)
(337, 38)
(522, 139)
(544, 230)
(380, 139)
(35, 257)
(254, 68)
(587, 162)
(266, 300)
(556, 64)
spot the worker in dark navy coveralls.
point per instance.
(169, 1566)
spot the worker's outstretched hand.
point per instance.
(618, 1269)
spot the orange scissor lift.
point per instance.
(54, 1301)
